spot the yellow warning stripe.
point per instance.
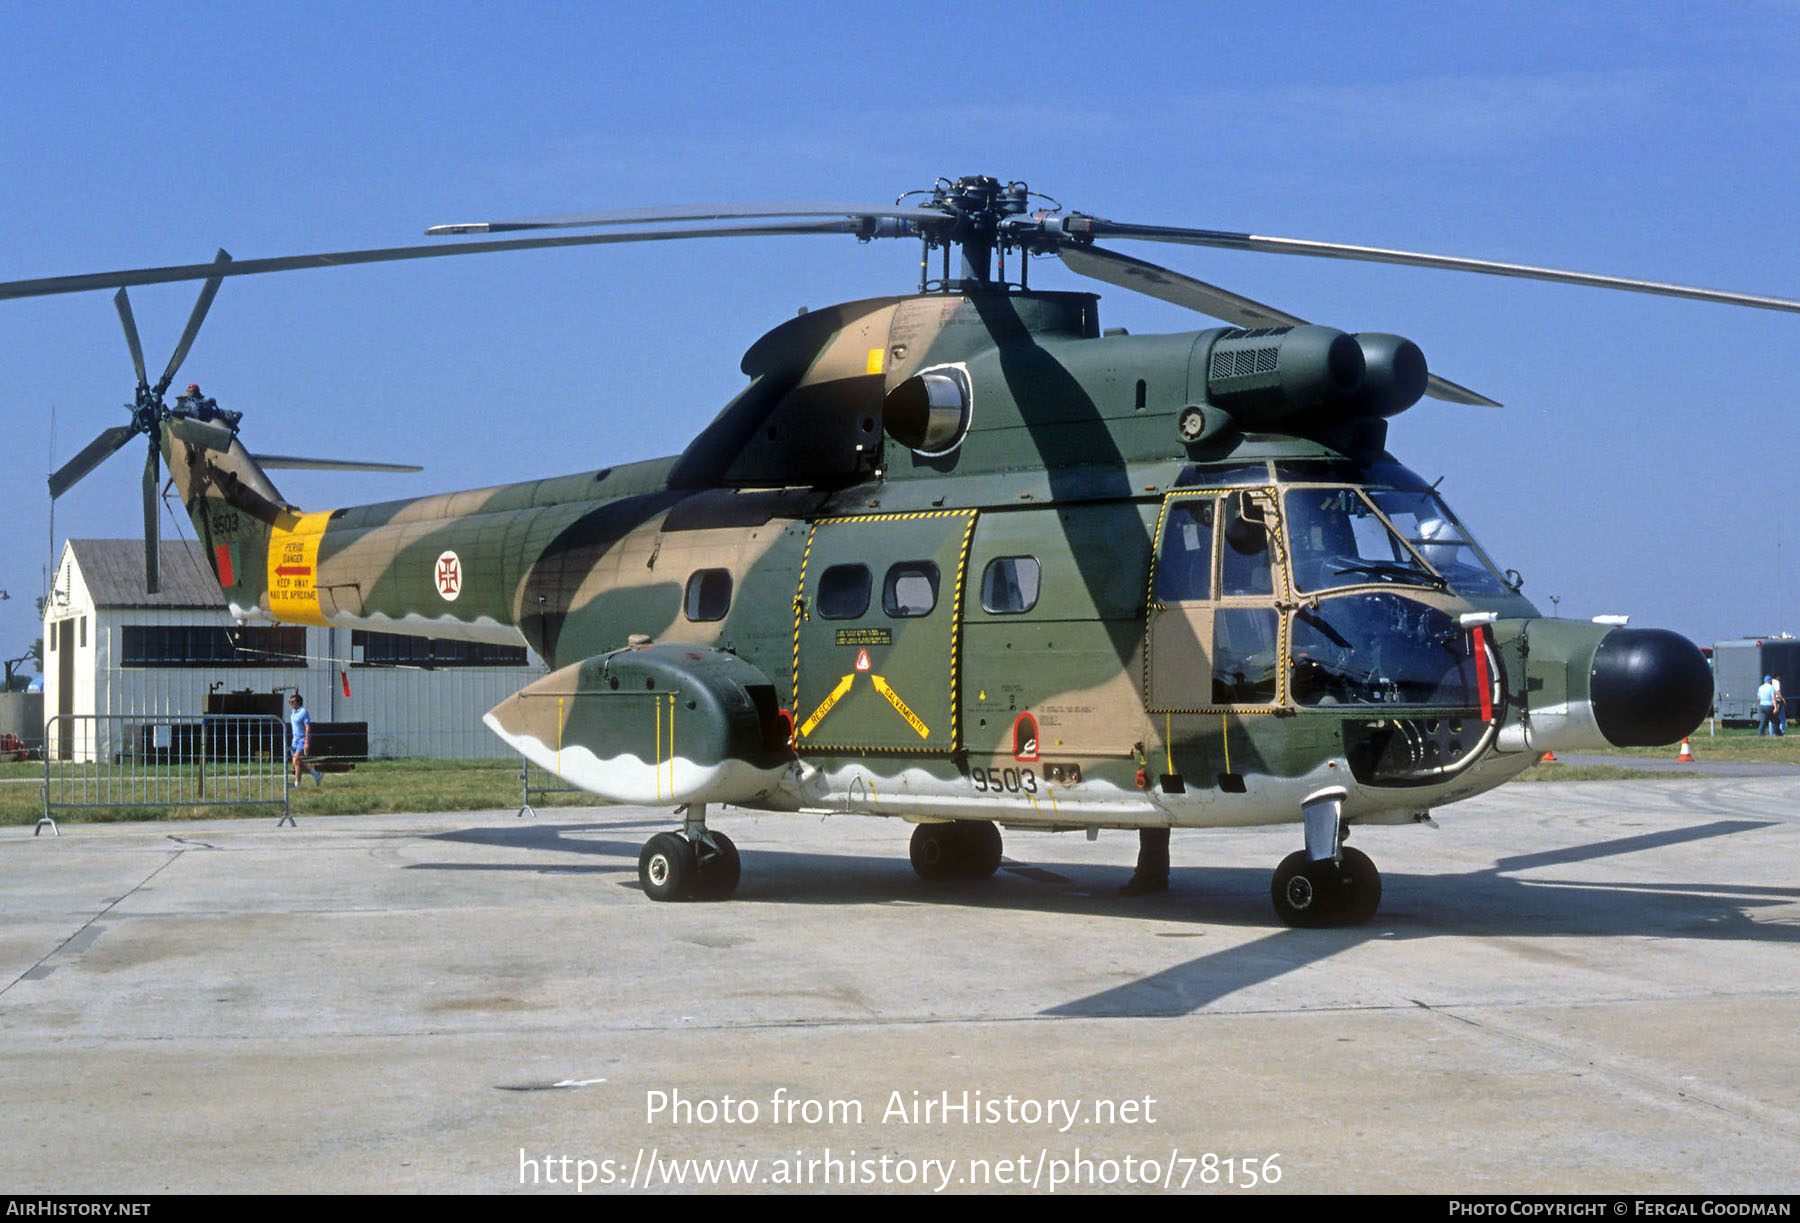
(895, 517)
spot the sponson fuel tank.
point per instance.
(665, 723)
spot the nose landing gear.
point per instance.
(1327, 883)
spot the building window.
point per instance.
(371, 649)
(196, 645)
(83, 631)
(708, 595)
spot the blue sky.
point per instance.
(1643, 463)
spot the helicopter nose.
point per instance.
(1648, 687)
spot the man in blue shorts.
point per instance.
(302, 739)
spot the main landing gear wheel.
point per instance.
(960, 849)
(672, 867)
(719, 867)
(1342, 893)
(668, 868)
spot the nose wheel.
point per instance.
(1327, 883)
(1345, 892)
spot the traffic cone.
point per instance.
(1687, 754)
(1548, 758)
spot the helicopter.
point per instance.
(961, 557)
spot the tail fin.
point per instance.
(236, 514)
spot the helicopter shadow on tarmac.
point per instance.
(1493, 902)
(1490, 903)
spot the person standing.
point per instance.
(1780, 706)
(1152, 873)
(301, 722)
(1765, 706)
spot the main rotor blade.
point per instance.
(1170, 286)
(152, 524)
(296, 463)
(1374, 254)
(692, 212)
(122, 303)
(46, 286)
(198, 316)
(92, 455)
(1173, 287)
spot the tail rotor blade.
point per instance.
(123, 304)
(152, 523)
(92, 455)
(207, 293)
(206, 434)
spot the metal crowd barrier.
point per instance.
(164, 760)
(541, 783)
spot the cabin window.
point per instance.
(911, 589)
(1009, 585)
(844, 592)
(1184, 567)
(708, 595)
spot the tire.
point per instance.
(1305, 893)
(936, 851)
(719, 868)
(1361, 888)
(667, 868)
(980, 849)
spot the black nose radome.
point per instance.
(1649, 687)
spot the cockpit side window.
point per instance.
(1184, 566)
(1244, 560)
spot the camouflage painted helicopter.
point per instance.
(960, 557)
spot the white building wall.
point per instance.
(69, 603)
(411, 712)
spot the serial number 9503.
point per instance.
(1004, 781)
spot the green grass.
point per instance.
(379, 786)
(1734, 745)
(1597, 772)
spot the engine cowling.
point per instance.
(659, 724)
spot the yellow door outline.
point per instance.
(803, 612)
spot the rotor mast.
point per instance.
(979, 206)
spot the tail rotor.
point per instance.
(194, 420)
